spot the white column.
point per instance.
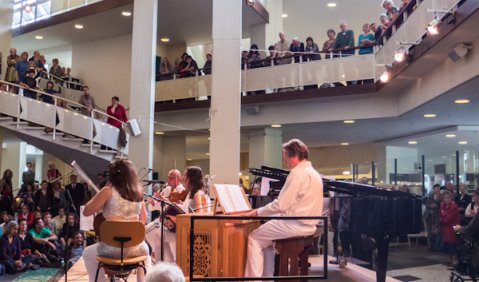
(6, 16)
(142, 89)
(265, 148)
(226, 87)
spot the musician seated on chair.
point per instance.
(173, 192)
(196, 200)
(301, 195)
(123, 200)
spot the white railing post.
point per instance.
(92, 129)
(18, 109)
(197, 94)
(55, 101)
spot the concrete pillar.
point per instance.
(173, 154)
(225, 109)
(265, 148)
(142, 89)
(6, 16)
(14, 158)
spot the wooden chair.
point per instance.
(121, 234)
(294, 252)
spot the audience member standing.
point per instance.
(345, 40)
(21, 67)
(6, 192)
(296, 48)
(449, 217)
(75, 194)
(383, 18)
(10, 70)
(208, 64)
(312, 48)
(56, 70)
(366, 41)
(282, 50)
(391, 10)
(118, 111)
(29, 83)
(328, 45)
(44, 198)
(89, 105)
(166, 69)
(431, 219)
(463, 200)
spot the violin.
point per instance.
(176, 196)
(173, 211)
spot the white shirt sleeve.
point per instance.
(286, 197)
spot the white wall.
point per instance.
(105, 65)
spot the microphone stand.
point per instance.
(162, 221)
(65, 252)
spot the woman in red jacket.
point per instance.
(118, 111)
(449, 217)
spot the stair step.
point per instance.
(88, 145)
(6, 118)
(14, 123)
(72, 139)
(34, 128)
(107, 151)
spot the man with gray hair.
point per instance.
(301, 195)
(165, 272)
(282, 49)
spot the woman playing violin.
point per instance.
(196, 201)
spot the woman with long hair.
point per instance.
(6, 200)
(10, 251)
(120, 200)
(196, 201)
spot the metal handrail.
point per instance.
(61, 79)
(55, 97)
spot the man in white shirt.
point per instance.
(154, 228)
(301, 195)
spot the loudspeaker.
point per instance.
(458, 52)
(133, 127)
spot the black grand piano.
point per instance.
(376, 213)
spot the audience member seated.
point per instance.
(208, 64)
(25, 197)
(44, 240)
(44, 198)
(391, 10)
(26, 214)
(47, 219)
(165, 272)
(68, 230)
(296, 48)
(59, 220)
(27, 244)
(328, 45)
(76, 248)
(10, 251)
(312, 48)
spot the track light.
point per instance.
(384, 78)
(400, 55)
(433, 27)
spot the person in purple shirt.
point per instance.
(10, 251)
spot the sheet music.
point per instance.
(231, 198)
(265, 185)
(86, 222)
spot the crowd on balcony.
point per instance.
(338, 44)
(39, 225)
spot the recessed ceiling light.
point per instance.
(165, 39)
(429, 115)
(331, 5)
(462, 142)
(79, 26)
(349, 121)
(126, 13)
(209, 138)
(346, 172)
(462, 101)
(412, 142)
(344, 144)
(159, 133)
(284, 15)
(38, 37)
(189, 160)
(276, 125)
(450, 135)
(207, 154)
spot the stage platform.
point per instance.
(351, 273)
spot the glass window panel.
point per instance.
(16, 19)
(43, 10)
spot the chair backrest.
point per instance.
(112, 230)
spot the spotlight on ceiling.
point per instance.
(250, 2)
(433, 27)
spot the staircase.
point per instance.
(29, 119)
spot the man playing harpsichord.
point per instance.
(301, 195)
